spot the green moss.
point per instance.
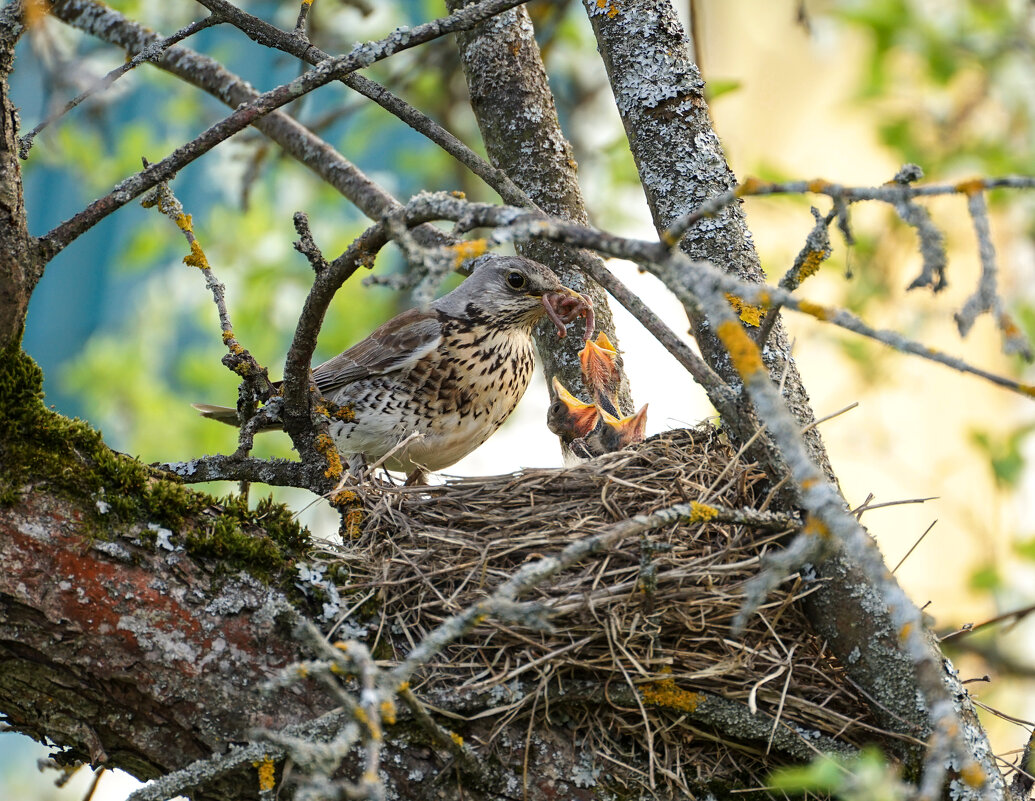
(234, 538)
(9, 494)
(41, 448)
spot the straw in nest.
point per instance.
(638, 656)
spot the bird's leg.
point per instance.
(417, 478)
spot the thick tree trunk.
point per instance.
(517, 116)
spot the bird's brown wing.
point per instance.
(396, 345)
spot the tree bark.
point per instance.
(660, 96)
(517, 117)
(20, 263)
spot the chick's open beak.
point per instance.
(568, 417)
(599, 362)
(625, 430)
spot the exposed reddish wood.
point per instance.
(164, 658)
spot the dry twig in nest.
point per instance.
(630, 650)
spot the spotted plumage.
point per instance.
(453, 373)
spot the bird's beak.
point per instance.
(582, 417)
(564, 305)
(599, 362)
(630, 429)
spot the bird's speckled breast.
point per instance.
(457, 399)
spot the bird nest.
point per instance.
(638, 658)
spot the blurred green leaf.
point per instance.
(869, 777)
(1026, 549)
(1004, 453)
(717, 87)
(986, 578)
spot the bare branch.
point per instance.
(275, 472)
(986, 297)
(330, 70)
(151, 53)
(271, 36)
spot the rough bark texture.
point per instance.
(19, 261)
(130, 655)
(516, 114)
(660, 96)
(133, 656)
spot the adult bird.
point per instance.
(452, 373)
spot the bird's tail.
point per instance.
(224, 414)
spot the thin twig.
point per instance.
(328, 71)
(152, 53)
(913, 547)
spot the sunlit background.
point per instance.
(846, 90)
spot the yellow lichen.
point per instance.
(973, 775)
(325, 446)
(744, 353)
(469, 249)
(457, 739)
(817, 310)
(184, 222)
(818, 185)
(971, 187)
(1008, 326)
(664, 692)
(752, 315)
(701, 512)
(341, 645)
(810, 265)
(35, 12)
(344, 498)
(196, 257)
(815, 526)
(458, 194)
(346, 413)
(354, 523)
(388, 711)
(267, 774)
(750, 186)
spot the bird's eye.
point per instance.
(516, 280)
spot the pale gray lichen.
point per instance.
(585, 773)
(170, 644)
(112, 549)
(163, 537)
(313, 585)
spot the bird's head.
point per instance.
(568, 417)
(512, 291)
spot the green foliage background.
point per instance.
(128, 334)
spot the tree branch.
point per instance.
(249, 113)
(517, 116)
